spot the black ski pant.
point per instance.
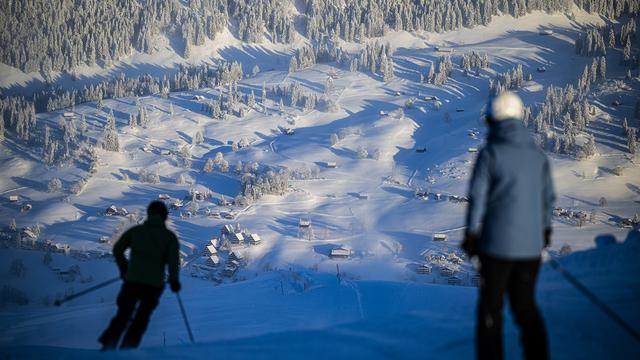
(145, 297)
(517, 278)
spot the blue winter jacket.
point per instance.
(511, 194)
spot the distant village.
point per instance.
(223, 255)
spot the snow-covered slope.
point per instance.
(276, 317)
(287, 294)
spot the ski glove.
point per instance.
(470, 243)
(175, 285)
(547, 237)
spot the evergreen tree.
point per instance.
(362, 153)
(631, 141)
(333, 139)
(197, 139)
(612, 38)
(626, 53)
(83, 125)
(590, 147)
(110, 141)
(208, 165)
(251, 100)
(281, 107)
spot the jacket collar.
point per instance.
(509, 131)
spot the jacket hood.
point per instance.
(509, 131)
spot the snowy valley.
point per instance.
(317, 181)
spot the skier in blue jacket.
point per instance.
(508, 224)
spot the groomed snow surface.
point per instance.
(287, 302)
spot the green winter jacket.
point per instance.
(152, 247)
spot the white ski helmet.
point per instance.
(505, 106)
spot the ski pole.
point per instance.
(184, 317)
(593, 298)
(86, 291)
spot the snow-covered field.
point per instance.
(286, 302)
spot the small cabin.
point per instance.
(289, 131)
(28, 234)
(231, 268)
(210, 250)
(227, 229)
(197, 97)
(304, 223)
(254, 239)
(213, 260)
(443, 49)
(332, 165)
(103, 239)
(445, 271)
(236, 238)
(236, 256)
(146, 149)
(64, 248)
(397, 93)
(340, 253)
(163, 197)
(68, 115)
(439, 237)
(424, 269)
(546, 32)
(363, 196)
(473, 150)
(215, 214)
(431, 98)
(165, 152)
(26, 207)
(111, 211)
(229, 216)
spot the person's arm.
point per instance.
(118, 252)
(478, 189)
(549, 198)
(173, 262)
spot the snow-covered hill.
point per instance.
(276, 317)
(286, 291)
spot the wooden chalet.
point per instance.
(424, 269)
(210, 250)
(254, 239)
(340, 253)
(213, 260)
(439, 237)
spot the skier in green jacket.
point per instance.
(153, 247)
